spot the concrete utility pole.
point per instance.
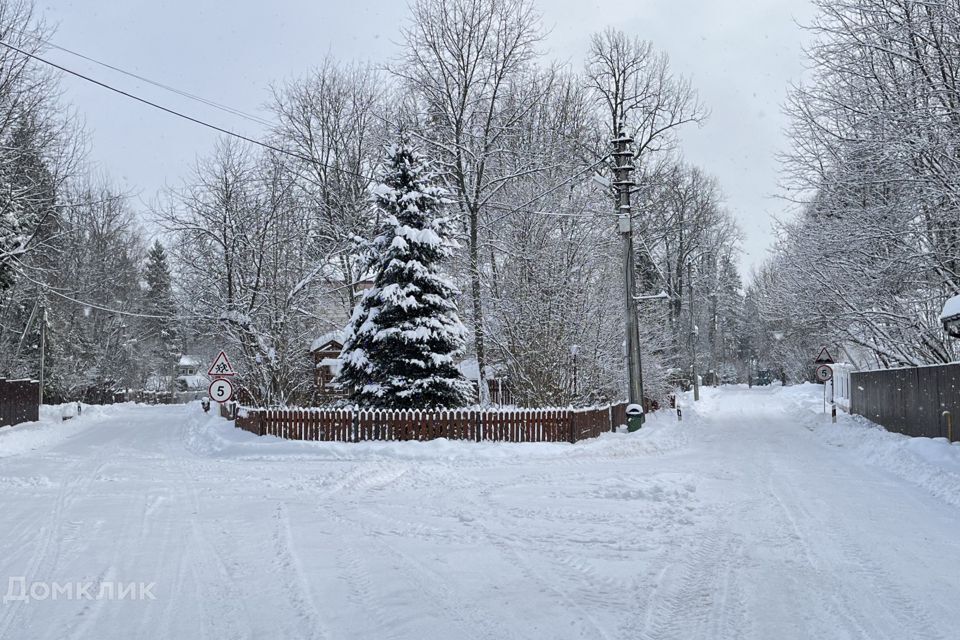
(43, 350)
(623, 182)
(694, 333)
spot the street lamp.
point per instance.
(574, 350)
(950, 317)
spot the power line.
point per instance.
(93, 305)
(544, 193)
(178, 114)
(260, 143)
(166, 87)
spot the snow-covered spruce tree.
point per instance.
(405, 333)
(162, 332)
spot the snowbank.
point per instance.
(932, 463)
(215, 437)
(51, 428)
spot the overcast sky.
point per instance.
(740, 54)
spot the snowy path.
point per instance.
(749, 520)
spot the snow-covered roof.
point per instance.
(188, 361)
(334, 364)
(338, 335)
(951, 308)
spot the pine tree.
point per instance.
(405, 333)
(162, 332)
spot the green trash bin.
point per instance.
(634, 417)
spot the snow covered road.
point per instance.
(750, 519)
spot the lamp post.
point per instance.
(574, 350)
(694, 332)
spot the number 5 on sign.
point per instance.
(220, 390)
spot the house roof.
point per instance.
(338, 336)
(951, 308)
(188, 361)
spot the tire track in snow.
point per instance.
(911, 616)
(350, 563)
(697, 596)
(47, 545)
(293, 579)
(836, 601)
(509, 549)
(469, 617)
(201, 563)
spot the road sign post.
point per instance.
(220, 390)
(824, 357)
(221, 366)
(824, 374)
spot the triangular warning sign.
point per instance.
(221, 366)
(824, 357)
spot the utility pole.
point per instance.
(694, 333)
(43, 350)
(623, 182)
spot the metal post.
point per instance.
(574, 350)
(43, 351)
(694, 334)
(623, 181)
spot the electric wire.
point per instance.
(93, 305)
(234, 134)
(508, 210)
(179, 114)
(186, 94)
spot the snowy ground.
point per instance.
(753, 518)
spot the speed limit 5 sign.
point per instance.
(220, 390)
(824, 373)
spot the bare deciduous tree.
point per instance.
(468, 62)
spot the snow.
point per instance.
(754, 518)
(951, 308)
(470, 369)
(50, 430)
(193, 383)
(338, 336)
(188, 361)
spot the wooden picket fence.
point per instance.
(498, 425)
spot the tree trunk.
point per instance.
(483, 394)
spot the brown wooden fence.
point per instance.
(909, 401)
(19, 401)
(501, 425)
